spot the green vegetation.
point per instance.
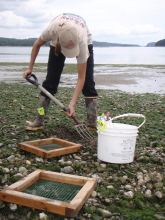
(160, 43)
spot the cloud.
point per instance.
(145, 29)
(10, 20)
(108, 20)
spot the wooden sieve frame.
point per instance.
(14, 194)
(68, 147)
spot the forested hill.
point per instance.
(160, 43)
(105, 44)
(29, 42)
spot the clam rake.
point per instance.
(80, 128)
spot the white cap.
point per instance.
(68, 38)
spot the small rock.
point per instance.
(141, 182)
(76, 157)
(39, 160)
(12, 206)
(103, 166)
(129, 187)
(99, 179)
(1, 144)
(93, 194)
(22, 170)
(68, 163)
(43, 216)
(123, 179)
(18, 175)
(129, 194)
(62, 162)
(147, 178)
(28, 162)
(107, 201)
(158, 185)
(6, 170)
(11, 158)
(159, 194)
(149, 186)
(67, 169)
(26, 137)
(148, 193)
(105, 212)
(110, 187)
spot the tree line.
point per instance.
(29, 42)
(160, 43)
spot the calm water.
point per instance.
(106, 55)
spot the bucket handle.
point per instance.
(131, 115)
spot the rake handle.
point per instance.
(35, 82)
(73, 117)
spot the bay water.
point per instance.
(102, 55)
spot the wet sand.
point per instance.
(132, 79)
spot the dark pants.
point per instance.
(55, 68)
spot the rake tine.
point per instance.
(83, 132)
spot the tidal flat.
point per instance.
(134, 191)
(127, 78)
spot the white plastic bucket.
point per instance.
(117, 143)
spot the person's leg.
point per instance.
(90, 92)
(54, 70)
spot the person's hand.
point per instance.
(26, 73)
(71, 111)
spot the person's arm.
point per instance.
(36, 47)
(79, 86)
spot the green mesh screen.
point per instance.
(50, 147)
(53, 190)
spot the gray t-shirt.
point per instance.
(84, 36)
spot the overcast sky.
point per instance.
(115, 21)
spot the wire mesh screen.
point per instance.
(50, 146)
(53, 190)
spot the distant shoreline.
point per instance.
(29, 42)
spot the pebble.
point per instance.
(110, 187)
(12, 206)
(6, 170)
(129, 194)
(129, 188)
(28, 162)
(23, 170)
(93, 194)
(105, 212)
(99, 179)
(43, 216)
(67, 169)
(159, 194)
(148, 193)
(11, 158)
(103, 166)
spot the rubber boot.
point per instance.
(39, 121)
(91, 106)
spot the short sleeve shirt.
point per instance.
(84, 36)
